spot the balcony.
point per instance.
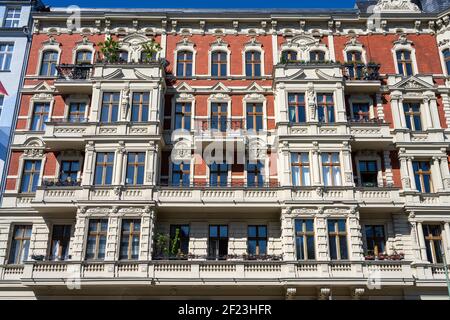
(57, 191)
(210, 130)
(74, 78)
(369, 133)
(360, 77)
(203, 272)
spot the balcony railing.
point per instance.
(74, 71)
(357, 121)
(48, 183)
(361, 71)
(228, 184)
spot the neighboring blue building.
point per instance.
(15, 31)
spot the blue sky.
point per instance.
(203, 3)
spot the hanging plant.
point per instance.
(110, 50)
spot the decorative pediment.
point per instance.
(396, 6)
(254, 87)
(254, 97)
(184, 87)
(220, 87)
(185, 43)
(403, 40)
(303, 42)
(253, 43)
(219, 44)
(43, 87)
(352, 44)
(413, 83)
(219, 97)
(135, 38)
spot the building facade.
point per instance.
(292, 154)
(15, 37)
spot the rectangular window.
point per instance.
(257, 240)
(331, 169)
(337, 236)
(219, 114)
(12, 17)
(304, 239)
(135, 168)
(368, 171)
(219, 64)
(325, 106)
(96, 240)
(404, 63)
(255, 116)
(49, 63)
(129, 240)
(255, 174)
(104, 168)
(184, 64)
(297, 107)
(30, 176)
(140, 107)
(218, 242)
(253, 64)
(317, 56)
(300, 167)
(40, 116)
(422, 176)
(20, 245)
(6, 53)
(181, 174)
(183, 115)
(60, 242)
(375, 239)
(77, 111)
(110, 107)
(179, 240)
(361, 112)
(433, 242)
(218, 174)
(69, 170)
(446, 54)
(412, 116)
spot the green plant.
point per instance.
(161, 244)
(175, 243)
(149, 50)
(110, 50)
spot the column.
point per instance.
(347, 161)
(356, 249)
(380, 110)
(445, 172)
(95, 103)
(395, 112)
(287, 235)
(321, 236)
(120, 153)
(151, 165)
(401, 113)
(447, 238)
(112, 238)
(446, 103)
(415, 247)
(406, 180)
(316, 168)
(423, 250)
(434, 112)
(427, 113)
(286, 165)
(89, 159)
(388, 169)
(77, 241)
(340, 104)
(411, 174)
(438, 175)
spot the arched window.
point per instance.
(446, 54)
(354, 65)
(253, 64)
(123, 56)
(84, 57)
(289, 56)
(404, 62)
(219, 64)
(317, 56)
(48, 63)
(184, 64)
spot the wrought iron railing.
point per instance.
(61, 183)
(227, 184)
(361, 71)
(74, 71)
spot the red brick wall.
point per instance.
(395, 163)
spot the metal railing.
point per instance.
(74, 71)
(361, 71)
(227, 184)
(58, 182)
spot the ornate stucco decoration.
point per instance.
(395, 6)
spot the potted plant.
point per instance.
(149, 50)
(110, 50)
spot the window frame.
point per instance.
(410, 115)
(140, 105)
(67, 256)
(48, 63)
(331, 165)
(131, 234)
(185, 63)
(422, 188)
(216, 256)
(110, 105)
(430, 245)
(337, 235)
(297, 105)
(98, 233)
(33, 176)
(12, 239)
(104, 166)
(305, 235)
(18, 19)
(301, 165)
(258, 239)
(183, 114)
(375, 239)
(136, 164)
(220, 63)
(7, 54)
(403, 62)
(326, 105)
(253, 63)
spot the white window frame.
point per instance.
(217, 46)
(14, 19)
(49, 46)
(184, 45)
(310, 158)
(341, 159)
(188, 98)
(39, 99)
(255, 98)
(369, 157)
(5, 53)
(362, 99)
(405, 45)
(253, 45)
